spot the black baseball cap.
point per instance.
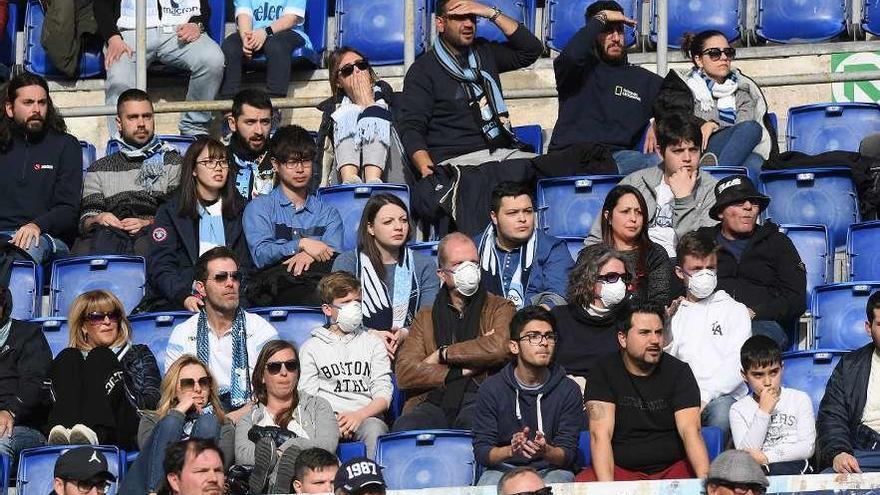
(357, 474)
(81, 464)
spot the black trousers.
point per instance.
(277, 49)
(91, 391)
(428, 416)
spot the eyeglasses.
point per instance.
(85, 487)
(190, 383)
(742, 488)
(348, 69)
(543, 491)
(96, 317)
(275, 367)
(613, 277)
(715, 53)
(295, 163)
(535, 338)
(213, 164)
(221, 277)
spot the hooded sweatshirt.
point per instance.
(708, 335)
(504, 407)
(349, 371)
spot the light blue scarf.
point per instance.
(239, 382)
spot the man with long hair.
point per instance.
(42, 167)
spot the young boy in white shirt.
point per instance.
(773, 423)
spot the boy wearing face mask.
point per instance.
(346, 365)
(708, 329)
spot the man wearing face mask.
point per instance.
(347, 365)
(454, 345)
(708, 329)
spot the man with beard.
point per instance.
(644, 409)
(222, 335)
(251, 124)
(602, 98)
(42, 171)
(122, 191)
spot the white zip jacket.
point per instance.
(349, 371)
(708, 335)
(787, 434)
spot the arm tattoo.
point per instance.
(595, 410)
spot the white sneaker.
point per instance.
(83, 435)
(59, 435)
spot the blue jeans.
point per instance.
(717, 413)
(773, 330)
(629, 161)
(22, 438)
(491, 477)
(734, 144)
(46, 249)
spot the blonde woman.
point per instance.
(189, 408)
(101, 380)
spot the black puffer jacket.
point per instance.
(142, 378)
(840, 411)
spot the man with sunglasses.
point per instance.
(452, 109)
(734, 472)
(123, 190)
(222, 335)
(82, 471)
(292, 235)
(602, 97)
(757, 264)
(523, 481)
(530, 413)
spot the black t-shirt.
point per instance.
(645, 437)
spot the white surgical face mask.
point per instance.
(350, 317)
(466, 277)
(701, 284)
(612, 294)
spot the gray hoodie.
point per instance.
(689, 213)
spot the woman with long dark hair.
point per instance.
(206, 213)
(395, 281)
(283, 421)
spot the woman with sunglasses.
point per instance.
(101, 381)
(283, 421)
(205, 213)
(736, 129)
(395, 281)
(188, 408)
(357, 131)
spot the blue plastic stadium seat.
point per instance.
(809, 371)
(568, 205)
(26, 286)
(124, 276)
(315, 26)
(376, 28)
(217, 22)
(574, 245)
(55, 330)
(37, 465)
(871, 16)
(532, 135)
(153, 330)
(814, 247)
(566, 17)
(696, 16)
(89, 154)
(428, 248)
(839, 314)
(91, 63)
(720, 171)
(181, 143)
(584, 456)
(813, 129)
(862, 244)
(714, 439)
(412, 460)
(293, 323)
(349, 450)
(800, 21)
(7, 42)
(398, 398)
(350, 199)
(814, 196)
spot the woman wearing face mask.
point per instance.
(588, 324)
(736, 126)
(282, 423)
(360, 390)
(101, 381)
(189, 408)
(396, 281)
(624, 224)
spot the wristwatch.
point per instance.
(496, 14)
(201, 27)
(269, 31)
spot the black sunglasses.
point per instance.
(543, 491)
(190, 383)
(221, 277)
(348, 69)
(715, 53)
(96, 317)
(275, 367)
(613, 277)
(741, 488)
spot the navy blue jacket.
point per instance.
(840, 411)
(24, 363)
(503, 408)
(174, 251)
